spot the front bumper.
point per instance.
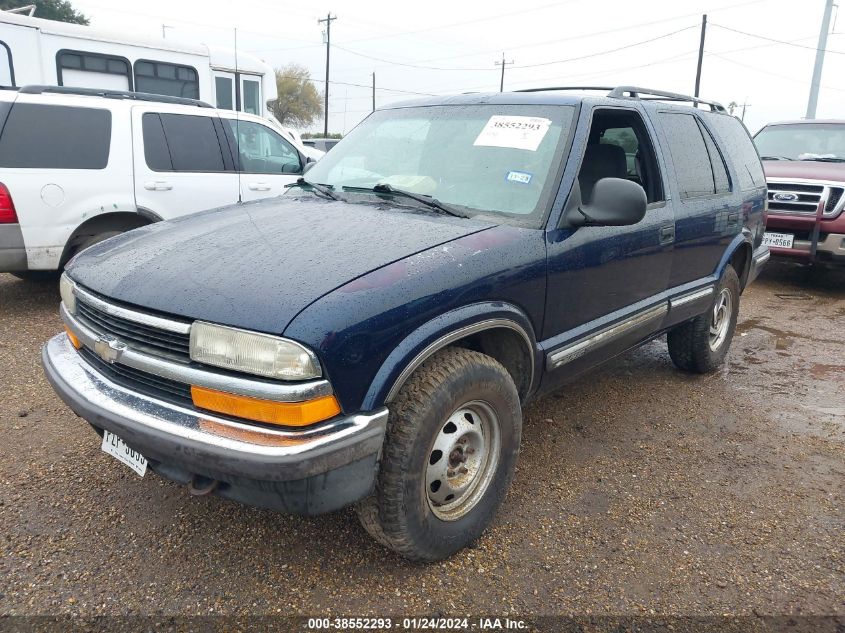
(816, 239)
(12, 249)
(308, 471)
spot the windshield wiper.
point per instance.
(826, 159)
(775, 158)
(325, 190)
(428, 201)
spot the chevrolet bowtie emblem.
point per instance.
(108, 349)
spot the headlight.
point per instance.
(66, 291)
(251, 352)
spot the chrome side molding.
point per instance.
(602, 337)
(689, 298)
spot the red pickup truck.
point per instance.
(804, 163)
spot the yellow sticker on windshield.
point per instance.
(517, 132)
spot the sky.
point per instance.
(438, 47)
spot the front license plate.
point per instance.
(778, 240)
(118, 449)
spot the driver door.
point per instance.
(266, 160)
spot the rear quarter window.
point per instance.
(55, 137)
(689, 154)
(191, 140)
(739, 149)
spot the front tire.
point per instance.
(449, 456)
(700, 345)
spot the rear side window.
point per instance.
(689, 155)
(181, 142)
(162, 78)
(717, 163)
(55, 137)
(740, 148)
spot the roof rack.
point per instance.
(598, 88)
(113, 94)
(633, 92)
(647, 94)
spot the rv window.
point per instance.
(223, 89)
(93, 70)
(252, 101)
(55, 137)
(166, 79)
(192, 141)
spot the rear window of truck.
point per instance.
(739, 148)
(55, 137)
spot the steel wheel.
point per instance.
(721, 319)
(462, 460)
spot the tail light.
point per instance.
(8, 215)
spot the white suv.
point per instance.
(78, 166)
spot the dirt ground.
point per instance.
(639, 490)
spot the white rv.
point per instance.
(45, 52)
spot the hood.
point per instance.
(811, 170)
(257, 265)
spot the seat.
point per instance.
(601, 161)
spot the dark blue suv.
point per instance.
(370, 337)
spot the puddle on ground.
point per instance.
(822, 370)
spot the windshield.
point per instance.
(483, 159)
(801, 141)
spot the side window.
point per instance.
(156, 152)
(93, 70)
(689, 154)
(251, 96)
(717, 163)
(166, 79)
(7, 66)
(619, 146)
(192, 142)
(740, 148)
(55, 137)
(263, 151)
(224, 90)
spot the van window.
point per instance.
(689, 154)
(717, 163)
(93, 70)
(55, 137)
(223, 88)
(739, 146)
(252, 101)
(161, 78)
(181, 142)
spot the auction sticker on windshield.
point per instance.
(118, 449)
(517, 132)
(778, 240)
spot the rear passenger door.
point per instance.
(182, 162)
(707, 214)
(266, 160)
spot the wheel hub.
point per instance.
(462, 460)
(720, 320)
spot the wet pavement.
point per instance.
(639, 490)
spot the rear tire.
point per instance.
(700, 345)
(449, 456)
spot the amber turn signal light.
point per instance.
(73, 340)
(269, 411)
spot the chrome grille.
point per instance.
(151, 339)
(803, 198)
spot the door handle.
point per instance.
(157, 185)
(733, 219)
(259, 186)
(667, 234)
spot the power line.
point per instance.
(776, 41)
(768, 72)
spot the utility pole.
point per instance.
(700, 54)
(328, 20)
(502, 63)
(374, 92)
(745, 104)
(817, 69)
(163, 27)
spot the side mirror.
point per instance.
(616, 202)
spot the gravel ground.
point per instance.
(639, 490)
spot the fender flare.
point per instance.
(442, 331)
(741, 240)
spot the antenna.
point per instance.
(238, 119)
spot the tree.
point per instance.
(299, 102)
(60, 10)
